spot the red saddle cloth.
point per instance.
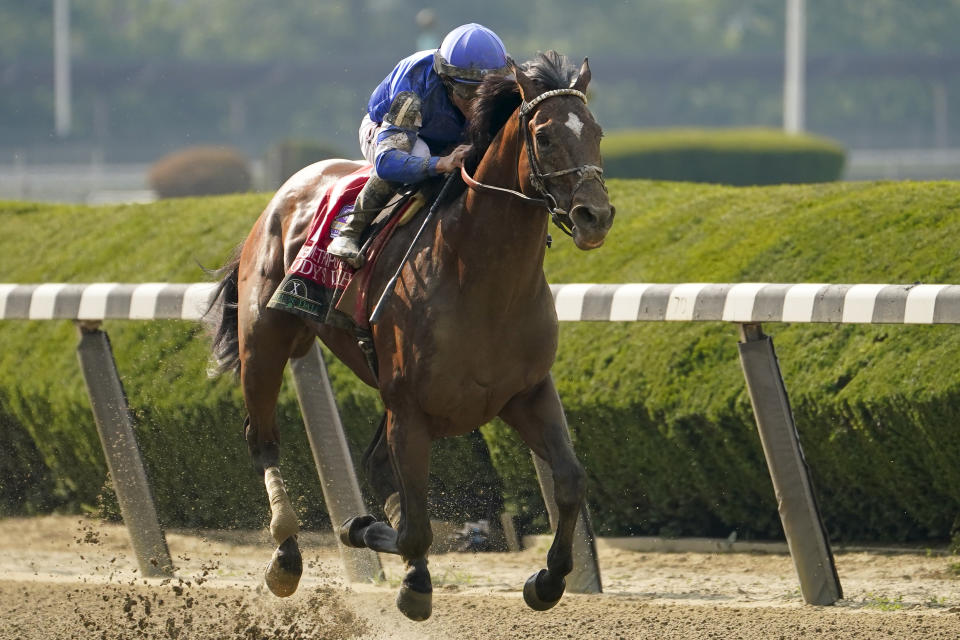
(313, 262)
(317, 282)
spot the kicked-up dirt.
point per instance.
(70, 577)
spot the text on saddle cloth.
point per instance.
(313, 262)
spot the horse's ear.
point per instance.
(527, 91)
(583, 79)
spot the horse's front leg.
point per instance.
(408, 444)
(537, 415)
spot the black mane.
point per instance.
(499, 96)
(551, 70)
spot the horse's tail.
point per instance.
(220, 319)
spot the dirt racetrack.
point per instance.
(69, 577)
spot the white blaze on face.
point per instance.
(575, 125)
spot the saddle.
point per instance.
(319, 286)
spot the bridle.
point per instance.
(538, 178)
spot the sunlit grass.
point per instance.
(883, 602)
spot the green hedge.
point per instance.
(200, 171)
(658, 411)
(722, 156)
(188, 426)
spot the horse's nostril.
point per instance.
(584, 216)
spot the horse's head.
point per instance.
(563, 158)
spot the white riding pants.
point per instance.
(368, 141)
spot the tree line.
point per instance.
(161, 39)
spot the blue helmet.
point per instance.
(470, 52)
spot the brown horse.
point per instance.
(469, 332)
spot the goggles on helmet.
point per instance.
(462, 90)
(460, 75)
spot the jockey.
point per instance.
(418, 112)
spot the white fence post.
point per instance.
(115, 426)
(796, 501)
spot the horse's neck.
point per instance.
(498, 233)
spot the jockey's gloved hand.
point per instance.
(455, 160)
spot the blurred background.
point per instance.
(94, 92)
(111, 101)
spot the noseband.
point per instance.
(538, 178)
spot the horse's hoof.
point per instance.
(286, 566)
(415, 605)
(381, 537)
(351, 531)
(538, 597)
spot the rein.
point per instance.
(538, 178)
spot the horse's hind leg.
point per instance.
(265, 347)
(537, 416)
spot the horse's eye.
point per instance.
(543, 140)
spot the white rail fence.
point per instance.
(747, 304)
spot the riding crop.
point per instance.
(378, 310)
